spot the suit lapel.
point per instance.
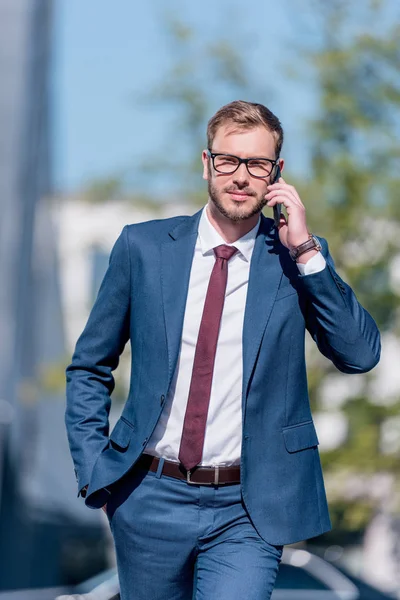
(264, 279)
(176, 262)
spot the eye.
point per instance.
(229, 160)
(258, 163)
(226, 163)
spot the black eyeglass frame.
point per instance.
(213, 155)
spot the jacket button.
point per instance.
(162, 400)
(145, 441)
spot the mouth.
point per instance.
(239, 196)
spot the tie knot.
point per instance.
(224, 251)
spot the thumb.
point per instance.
(282, 221)
(283, 230)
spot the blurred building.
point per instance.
(37, 519)
(86, 233)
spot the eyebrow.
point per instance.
(247, 158)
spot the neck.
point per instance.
(229, 230)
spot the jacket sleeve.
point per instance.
(343, 330)
(89, 376)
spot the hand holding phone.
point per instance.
(293, 230)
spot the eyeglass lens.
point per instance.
(228, 164)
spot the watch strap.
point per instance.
(311, 244)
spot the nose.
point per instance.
(241, 176)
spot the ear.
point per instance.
(281, 164)
(205, 159)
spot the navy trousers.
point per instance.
(178, 541)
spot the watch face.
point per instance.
(316, 242)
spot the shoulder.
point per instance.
(147, 235)
(156, 227)
(151, 234)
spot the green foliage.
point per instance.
(111, 189)
(352, 201)
(103, 190)
(351, 516)
(185, 89)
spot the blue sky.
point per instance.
(109, 55)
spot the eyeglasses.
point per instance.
(228, 164)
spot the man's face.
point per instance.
(239, 196)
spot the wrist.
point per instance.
(305, 257)
(302, 239)
(306, 247)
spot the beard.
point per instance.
(238, 212)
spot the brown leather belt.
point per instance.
(197, 476)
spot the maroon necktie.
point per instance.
(194, 426)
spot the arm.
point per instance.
(343, 330)
(89, 376)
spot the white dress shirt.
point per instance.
(223, 435)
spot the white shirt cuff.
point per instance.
(316, 264)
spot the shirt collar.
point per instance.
(210, 238)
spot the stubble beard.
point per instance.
(239, 213)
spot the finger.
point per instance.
(283, 231)
(281, 183)
(283, 197)
(283, 190)
(281, 186)
(286, 187)
(282, 221)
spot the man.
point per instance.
(213, 465)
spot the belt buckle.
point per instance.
(215, 482)
(188, 480)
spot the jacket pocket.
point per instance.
(121, 434)
(299, 437)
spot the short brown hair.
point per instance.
(246, 115)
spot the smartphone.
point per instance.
(278, 207)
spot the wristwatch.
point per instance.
(311, 244)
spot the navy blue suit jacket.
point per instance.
(142, 299)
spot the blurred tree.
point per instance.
(116, 188)
(103, 190)
(186, 89)
(352, 201)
